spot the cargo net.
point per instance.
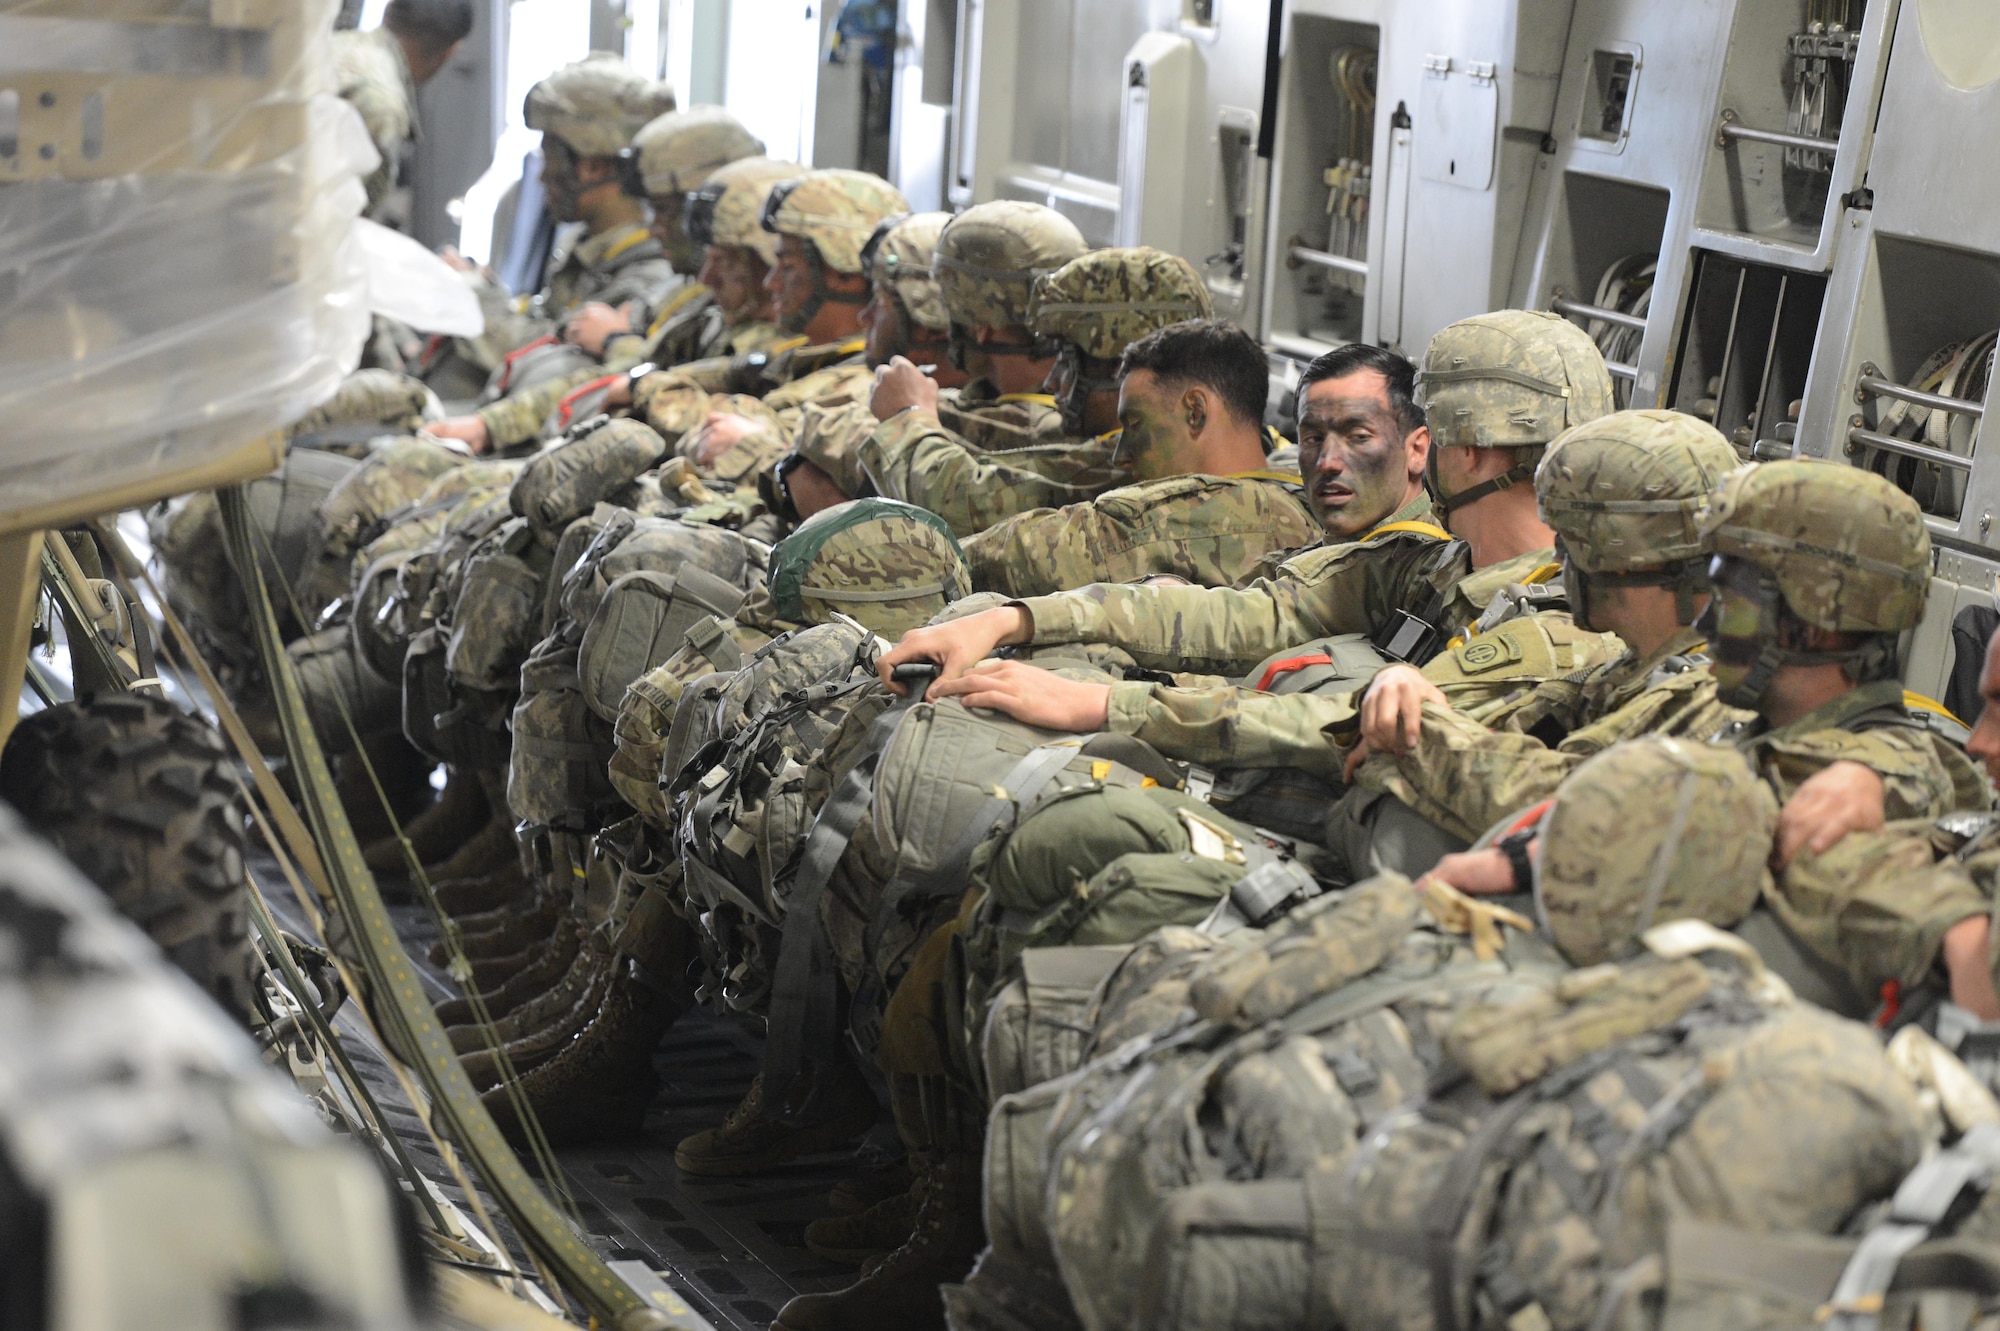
(176, 237)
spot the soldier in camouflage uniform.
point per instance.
(1205, 508)
(822, 220)
(905, 316)
(379, 72)
(587, 112)
(668, 160)
(1621, 493)
(1500, 387)
(931, 446)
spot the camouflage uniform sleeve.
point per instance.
(518, 417)
(1349, 588)
(913, 458)
(1223, 725)
(1466, 777)
(1877, 904)
(1917, 781)
(1210, 530)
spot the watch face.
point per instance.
(640, 371)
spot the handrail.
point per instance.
(1576, 309)
(1890, 444)
(1880, 387)
(1732, 128)
(1298, 254)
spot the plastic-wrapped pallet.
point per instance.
(179, 272)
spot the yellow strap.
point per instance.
(637, 238)
(1420, 527)
(852, 345)
(788, 344)
(1917, 702)
(1039, 399)
(675, 304)
(1543, 574)
(1278, 441)
(1287, 477)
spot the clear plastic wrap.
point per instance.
(179, 273)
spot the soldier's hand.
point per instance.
(1486, 872)
(1968, 963)
(900, 384)
(468, 430)
(1031, 695)
(1843, 797)
(718, 434)
(956, 647)
(595, 323)
(1392, 709)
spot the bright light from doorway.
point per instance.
(543, 36)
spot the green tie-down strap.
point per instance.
(396, 996)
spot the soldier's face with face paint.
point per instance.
(1359, 464)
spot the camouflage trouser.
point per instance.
(1371, 832)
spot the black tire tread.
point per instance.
(138, 795)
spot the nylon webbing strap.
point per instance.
(397, 1000)
(802, 997)
(1023, 786)
(1921, 1203)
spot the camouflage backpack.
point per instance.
(441, 717)
(359, 509)
(594, 461)
(632, 592)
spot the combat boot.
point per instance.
(507, 931)
(488, 850)
(519, 988)
(856, 1238)
(507, 887)
(597, 1088)
(833, 1110)
(858, 1192)
(543, 1042)
(902, 1289)
(539, 1011)
(435, 832)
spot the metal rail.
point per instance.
(1732, 128)
(1621, 369)
(1860, 438)
(1298, 254)
(1880, 387)
(1576, 309)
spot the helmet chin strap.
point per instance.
(1874, 659)
(1074, 400)
(1447, 503)
(1688, 579)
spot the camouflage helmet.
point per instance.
(1847, 550)
(836, 210)
(990, 255)
(726, 209)
(888, 564)
(676, 152)
(1510, 379)
(596, 104)
(899, 254)
(1104, 301)
(1622, 491)
(1603, 877)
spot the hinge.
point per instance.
(1438, 65)
(1481, 71)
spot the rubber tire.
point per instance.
(139, 796)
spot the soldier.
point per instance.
(587, 112)
(821, 221)
(1205, 508)
(379, 72)
(995, 451)
(670, 157)
(1498, 386)
(905, 316)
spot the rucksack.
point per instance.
(646, 713)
